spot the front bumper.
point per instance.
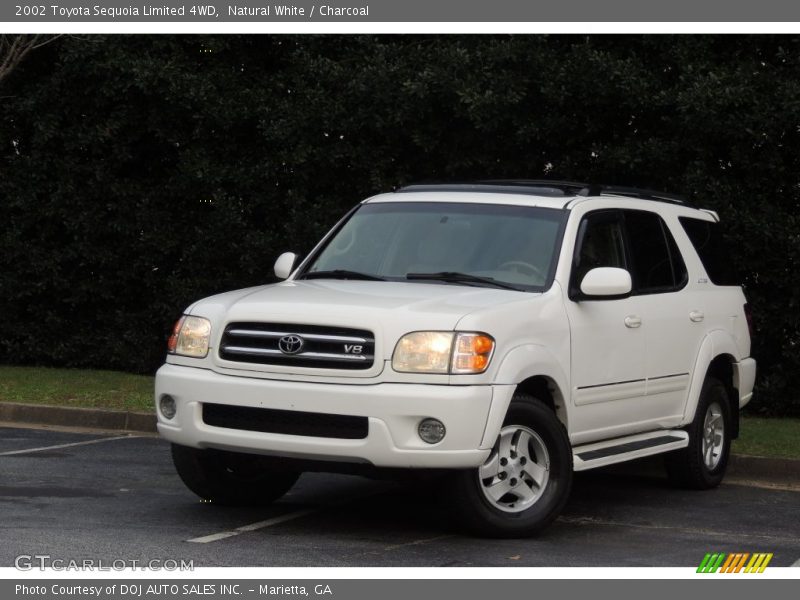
(393, 410)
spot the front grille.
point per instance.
(289, 422)
(298, 345)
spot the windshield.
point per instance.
(465, 244)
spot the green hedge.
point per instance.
(138, 173)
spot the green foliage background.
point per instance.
(139, 173)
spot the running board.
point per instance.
(608, 452)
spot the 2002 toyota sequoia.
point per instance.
(507, 333)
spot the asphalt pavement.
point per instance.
(87, 495)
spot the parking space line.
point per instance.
(60, 446)
(253, 526)
(796, 564)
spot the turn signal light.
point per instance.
(172, 342)
(472, 353)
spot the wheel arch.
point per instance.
(534, 370)
(546, 389)
(717, 358)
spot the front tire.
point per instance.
(702, 464)
(525, 483)
(231, 478)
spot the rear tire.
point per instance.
(702, 464)
(231, 478)
(525, 483)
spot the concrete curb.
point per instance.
(762, 468)
(94, 418)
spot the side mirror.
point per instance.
(606, 282)
(285, 265)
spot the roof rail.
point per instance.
(547, 187)
(569, 187)
(534, 187)
(633, 192)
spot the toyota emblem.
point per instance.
(291, 344)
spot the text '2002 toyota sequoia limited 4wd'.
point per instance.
(505, 333)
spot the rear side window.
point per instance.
(706, 238)
(656, 263)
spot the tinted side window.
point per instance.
(707, 240)
(600, 244)
(656, 263)
(679, 271)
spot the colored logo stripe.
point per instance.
(758, 563)
(735, 562)
(726, 567)
(710, 563)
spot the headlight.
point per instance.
(443, 352)
(423, 352)
(190, 337)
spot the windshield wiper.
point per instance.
(340, 274)
(456, 277)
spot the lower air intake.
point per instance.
(288, 422)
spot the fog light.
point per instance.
(431, 431)
(167, 406)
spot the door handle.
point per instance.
(696, 316)
(632, 321)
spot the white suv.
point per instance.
(506, 333)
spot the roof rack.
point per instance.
(633, 192)
(571, 188)
(534, 187)
(547, 187)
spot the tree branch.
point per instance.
(14, 48)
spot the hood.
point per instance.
(389, 309)
(350, 302)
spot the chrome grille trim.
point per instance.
(308, 336)
(323, 347)
(270, 352)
